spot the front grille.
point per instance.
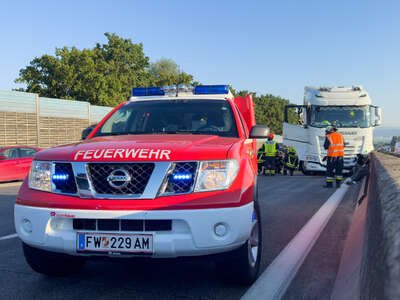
(120, 179)
(183, 184)
(68, 186)
(122, 225)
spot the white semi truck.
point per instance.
(349, 108)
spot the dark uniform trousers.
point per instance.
(334, 168)
(270, 165)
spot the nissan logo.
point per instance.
(119, 178)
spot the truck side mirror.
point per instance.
(378, 116)
(259, 132)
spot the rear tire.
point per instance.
(242, 266)
(51, 263)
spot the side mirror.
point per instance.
(378, 116)
(87, 131)
(3, 157)
(259, 132)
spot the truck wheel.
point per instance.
(50, 263)
(305, 172)
(242, 265)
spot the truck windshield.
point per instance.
(211, 117)
(341, 116)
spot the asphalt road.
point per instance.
(287, 203)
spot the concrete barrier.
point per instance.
(370, 263)
(381, 271)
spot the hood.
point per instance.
(142, 148)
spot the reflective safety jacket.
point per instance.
(260, 155)
(270, 148)
(334, 144)
(291, 161)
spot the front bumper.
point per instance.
(192, 231)
(318, 167)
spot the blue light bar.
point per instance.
(211, 89)
(61, 177)
(147, 91)
(182, 176)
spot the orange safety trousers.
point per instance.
(336, 144)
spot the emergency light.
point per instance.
(182, 176)
(211, 89)
(197, 90)
(147, 91)
(60, 178)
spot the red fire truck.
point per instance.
(172, 172)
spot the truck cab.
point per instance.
(348, 108)
(172, 172)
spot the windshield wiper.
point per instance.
(122, 133)
(186, 132)
(161, 132)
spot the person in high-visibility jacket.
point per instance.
(334, 144)
(270, 149)
(260, 161)
(291, 161)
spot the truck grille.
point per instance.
(120, 178)
(351, 151)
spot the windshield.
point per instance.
(341, 116)
(213, 117)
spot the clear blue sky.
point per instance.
(273, 47)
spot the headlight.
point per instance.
(216, 175)
(40, 176)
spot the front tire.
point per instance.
(303, 170)
(242, 265)
(50, 263)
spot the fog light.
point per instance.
(220, 229)
(27, 225)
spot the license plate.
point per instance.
(114, 243)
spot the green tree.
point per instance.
(269, 110)
(166, 72)
(102, 75)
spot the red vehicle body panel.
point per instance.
(182, 147)
(16, 168)
(245, 105)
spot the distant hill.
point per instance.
(386, 131)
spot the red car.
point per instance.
(15, 162)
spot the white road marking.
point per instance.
(10, 236)
(274, 281)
